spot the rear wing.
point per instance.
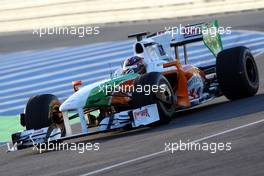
(180, 36)
(206, 32)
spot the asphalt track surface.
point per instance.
(141, 152)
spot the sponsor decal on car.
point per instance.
(141, 114)
(195, 86)
(145, 115)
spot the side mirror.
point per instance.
(75, 85)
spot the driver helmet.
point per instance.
(134, 64)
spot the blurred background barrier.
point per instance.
(17, 15)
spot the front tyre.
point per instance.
(163, 96)
(38, 111)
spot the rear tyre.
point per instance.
(163, 99)
(237, 73)
(37, 113)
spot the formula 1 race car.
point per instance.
(149, 88)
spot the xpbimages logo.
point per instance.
(211, 147)
(80, 147)
(146, 89)
(188, 31)
(78, 31)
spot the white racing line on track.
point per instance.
(2, 144)
(163, 151)
(262, 52)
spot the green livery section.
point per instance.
(99, 95)
(212, 38)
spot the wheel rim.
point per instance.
(166, 95)
(251, 70)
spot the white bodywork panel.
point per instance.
(158, 53)
(120, 120)
(141, 116)
(78, 99)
